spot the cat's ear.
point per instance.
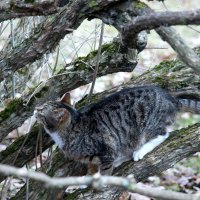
(62, 115)
(66, 98)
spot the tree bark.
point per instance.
(16, 9)
(48, 34)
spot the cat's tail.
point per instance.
(189, 105)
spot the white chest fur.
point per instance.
(56, 138)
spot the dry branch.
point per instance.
(157, 19)
(185, 53)
(48, 35)
(16, 9)
(98, 182)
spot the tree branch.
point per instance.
(185, 53)
(156, 19)
(48, 34)
(10, 9)
(98, 182)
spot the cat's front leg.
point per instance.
(149, 146)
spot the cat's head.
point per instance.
(53, 115)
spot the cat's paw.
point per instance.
(137, 155)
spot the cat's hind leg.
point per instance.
(149, 146)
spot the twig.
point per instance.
(97, 181)
(12, 46)
(167, 18)
(27, 185)
(1, 27)
(56, 61)
(97, 61)
(40, 145)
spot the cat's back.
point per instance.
(130, 97)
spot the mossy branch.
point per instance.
(47, 35)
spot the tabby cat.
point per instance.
(123, 126)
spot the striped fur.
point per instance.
(188, 105)
(116, 128)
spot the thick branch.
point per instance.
(185, 53)
(56, 166)
(155, 20)
(81, 73)
(48, 34)
(16, 9)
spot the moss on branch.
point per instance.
(13, 107)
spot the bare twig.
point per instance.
(167, 18)
(97, 61)
(97, 181)
(56, 61)
(27, 188)
(13, 46)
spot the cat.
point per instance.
(125, 125)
